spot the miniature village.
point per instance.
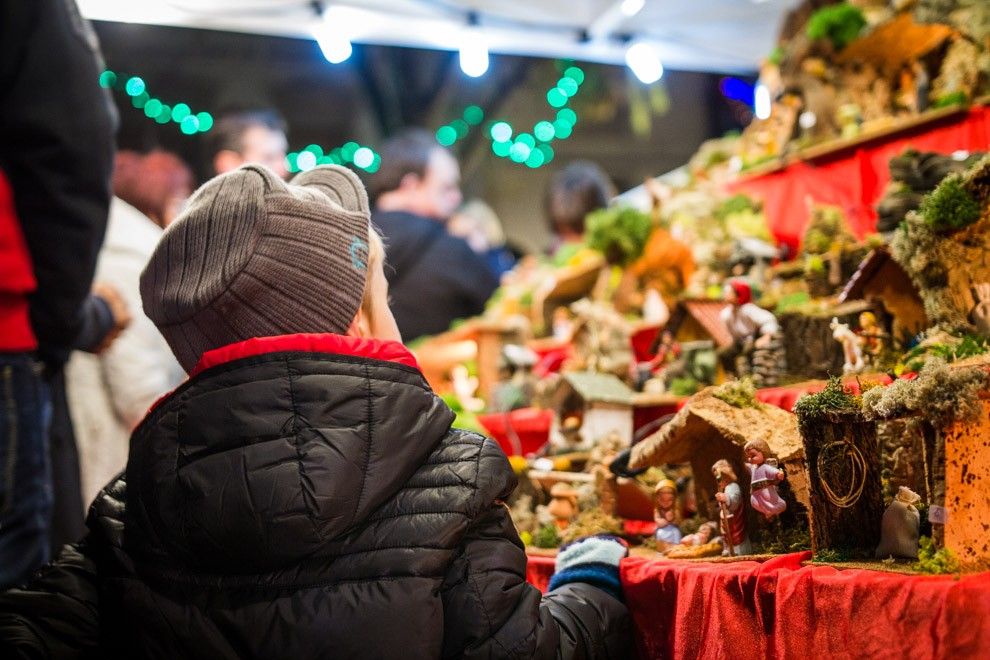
(690, 381)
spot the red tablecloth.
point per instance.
(539, 570)
(855, 179)
(780, 609)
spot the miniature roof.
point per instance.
(705, 312)
(896, 43)
(704, 414)
(870, 266)
(592, 386)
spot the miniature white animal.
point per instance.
(851, 350)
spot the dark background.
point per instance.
(630, 130)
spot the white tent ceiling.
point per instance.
(697, 35)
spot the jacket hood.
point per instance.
(275, 448)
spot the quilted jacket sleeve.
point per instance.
(490, 611)
(56, 615)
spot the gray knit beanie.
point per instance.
(253, 256)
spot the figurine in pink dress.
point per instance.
(764, 476)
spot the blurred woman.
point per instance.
(573, 193)
(478, 224)
(110, 392)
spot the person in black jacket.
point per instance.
(434, 277)
(56, 153)
(303, 494)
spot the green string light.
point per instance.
(350, 153)
(544, 131)
(446, 135)
(534, 150)
(181, 114)
(473, 115)
(568, 86)
(557, 98)
(575, 74)
(134, 86)
(459, 128)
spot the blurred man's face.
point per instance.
(265, 146)
(259, 144)
(439, 191)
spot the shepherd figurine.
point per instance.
(851, 351)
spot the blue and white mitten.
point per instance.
(593, 560)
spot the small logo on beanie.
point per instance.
(359, 254)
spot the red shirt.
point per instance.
(16, 278)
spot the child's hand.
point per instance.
(721, 497)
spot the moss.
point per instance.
(955, 98)
(840, 24)
(589, 523)
(836, 398)
(834, 555)
(738, 393)
(780, 540)
(935, 562)
(949, 206)
(735, 204)
(827, 230)
(620, 233)
(547, 537)
(814, 265)
(939, 395)
(968, 345)
(928, 253)
(776, 56)
(684, 386)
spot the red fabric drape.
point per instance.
(539, 570)
(779, 609)
(855, 179)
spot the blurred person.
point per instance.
(434, 277)
(110, 393)
(251, 136)
(573, 193)
(303, 495)
(56, 151)
(478, 224)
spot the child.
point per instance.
(302, 495)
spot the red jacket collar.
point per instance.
(389, 351)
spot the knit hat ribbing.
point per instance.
(252, 256)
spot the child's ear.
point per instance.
(359, 326)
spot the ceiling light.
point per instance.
(473, 52)
(331, 35)
(644, 63)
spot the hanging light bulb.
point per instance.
(761, 101)
(644, 63)
(331, 35)
(473, 50)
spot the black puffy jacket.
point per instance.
(301, 504)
